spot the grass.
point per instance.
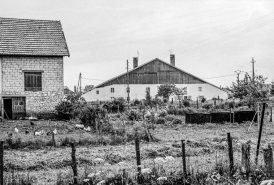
(206, 147)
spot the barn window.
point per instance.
(200, 89)
(33, 81)
(112, 90)
(97, 92)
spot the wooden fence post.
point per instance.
(260, 134)
(53, 139)
(230, 154)
(74, 163)
(138, 159)
(268, 160)
(184, 156)
(246, 159)
(1, 162)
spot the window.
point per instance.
(185, 97)
(97, 92)
(147, 89)
(189, 97)
(200, 89)
(33, 81)
(112, 90)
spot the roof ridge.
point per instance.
(8, 18)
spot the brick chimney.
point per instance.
(135, 62)
(172, 59)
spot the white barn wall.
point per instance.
(138, 91)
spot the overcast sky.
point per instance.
(210, 39)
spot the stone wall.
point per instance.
(13, 68)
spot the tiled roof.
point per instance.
(32, 37)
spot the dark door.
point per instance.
(8, 108)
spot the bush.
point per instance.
(186, 103)
(207, 106)
(160, 120)
(176, 121)
(170, 117)
(162, 113)
(137, 102)
(133, 116)
(70, 106)
(116, 105)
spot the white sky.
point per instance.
(209, 38)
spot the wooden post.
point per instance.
(53, 139)
(230, 154)
(74, 163)
(246, 159)
(1, 162)
(184, 156)
(138, 158)
(230, 116)
(197, 103)
(270, 120)
(260, 134)
(258, 115)
(268, 160)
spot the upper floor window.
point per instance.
(200, 89)
(33, 81)
(97, 92)
(147, 89)
(112, 90)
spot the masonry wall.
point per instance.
(13, 68)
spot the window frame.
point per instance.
(112, 90)
(200, 89)
(97, 91)
(33, 81)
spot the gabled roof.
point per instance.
(32, 37)
(102, 84)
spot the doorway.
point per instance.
(7, 108)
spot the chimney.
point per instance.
(135, 62)
(172, 59)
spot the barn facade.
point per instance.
(149, 76)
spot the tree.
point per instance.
(250, 90)
(88, 88)
(165, 90)
(179, 92)
(148, 98)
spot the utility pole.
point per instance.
(80, 80)
(238, 74)
(127, 86)
(253, 73)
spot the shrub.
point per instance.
(70, 106)
(162, 113)
(170, 117)
(137, 102)
(133, 115)
(207, 106)
(186, 103)
(171, 109)
(160, 120)
(116, 105)
(176, 121)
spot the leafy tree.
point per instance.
(179, 92)
(250, 90)
(148, 97)
(165, 90)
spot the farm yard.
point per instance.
(108, 152)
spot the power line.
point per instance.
(142, 29)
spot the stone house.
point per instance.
(31, 66)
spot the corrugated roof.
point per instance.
(32, 37)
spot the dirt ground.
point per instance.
(205, 146)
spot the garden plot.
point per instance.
(205, 147)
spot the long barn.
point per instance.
(149, 76)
